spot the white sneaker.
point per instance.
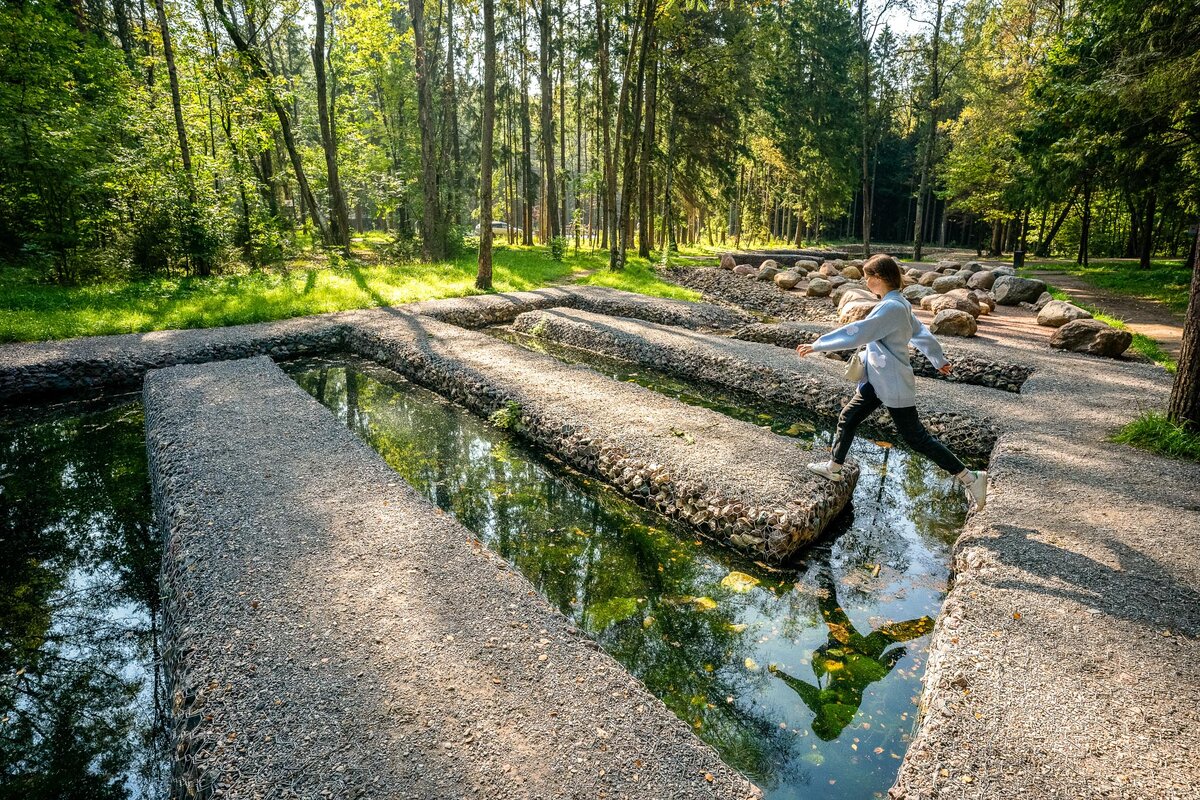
(977, 490)
(825, 470)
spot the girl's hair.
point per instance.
(885, 268)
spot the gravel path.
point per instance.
(332, 634)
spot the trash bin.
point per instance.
(1018, 259)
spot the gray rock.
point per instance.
(948, 282)
(1011, 290)
(837, 280)
(786, 280)
(1056, 313)
(1003, 270)
(745, 269)
(766, 273)
(985, 299)
(819, 287)
(829, 269)
(1091, 336)
(927, 278)
(728, 262)
(915, 293)
(808, 265)
(940, 302)
(850, 287)
(974, 266)
(982, 280)
(855, 310)
(952, 322)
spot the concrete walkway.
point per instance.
(332, 634)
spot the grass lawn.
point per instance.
(1167, 280)
(33, 311)
(1156, 433)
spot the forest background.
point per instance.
(216, 135)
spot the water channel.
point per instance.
(82, 701)
(805, 679)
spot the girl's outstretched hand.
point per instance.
(945, 369)
(804, 349)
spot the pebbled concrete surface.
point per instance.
(322, 637)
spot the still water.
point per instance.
(805, 679)
(81, 701)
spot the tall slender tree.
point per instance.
(339, 216)
(483, 277)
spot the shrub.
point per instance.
(558, 248)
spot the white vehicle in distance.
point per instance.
(499, 228)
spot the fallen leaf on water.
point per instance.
(739, 581)
(751, 664)
(738, 627)
(647, 622)
(704, 603)
(884, 445)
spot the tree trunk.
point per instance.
(1086, 224)
(527, 191)
(616, 253)
(259, 70)
(1147, 237)
(605, 110)
(1184, 406)
(550, 221)
(433, 239)
(176, 103)
(645, 223)
(1043, 248)
(339, 215)
(629, 187)
(930, 130)
(454, 150)
(483, 276)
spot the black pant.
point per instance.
(860, 407)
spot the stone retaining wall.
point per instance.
(734, 482)
(970, 369)
(766, 372)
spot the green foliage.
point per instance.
(1156, 433)
(639, 276)
(1166, 282)
(558, 248)
(507, 418)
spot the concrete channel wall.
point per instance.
(317, 638)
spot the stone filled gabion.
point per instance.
(773, 533)
(818, 393)
(716, 285)
(1005, 376)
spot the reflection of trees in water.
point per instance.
(620, 573)
(78, 608)
(848, 663)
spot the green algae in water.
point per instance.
(82, 701)
(804, 679)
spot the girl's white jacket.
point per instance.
(886, 333)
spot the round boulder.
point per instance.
(1091, 336)
(745, 269)
(837, 280)
(916, 292)
(849, 292)
(806, 264)
(819, 287)
(766, 273)
(941, 302)
(1056, 313)
(852, 272)
(728, 262)
(984, 299)
(1011, 290)
(828, 269)
(927, 278)
(855, 310)
(982, 280)
(787, 280)
(1003, 270)
(947, 283)
(973, 266)
(952, 322)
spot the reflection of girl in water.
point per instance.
(884, 335)
(850, 662)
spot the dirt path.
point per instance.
(1146, 317)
